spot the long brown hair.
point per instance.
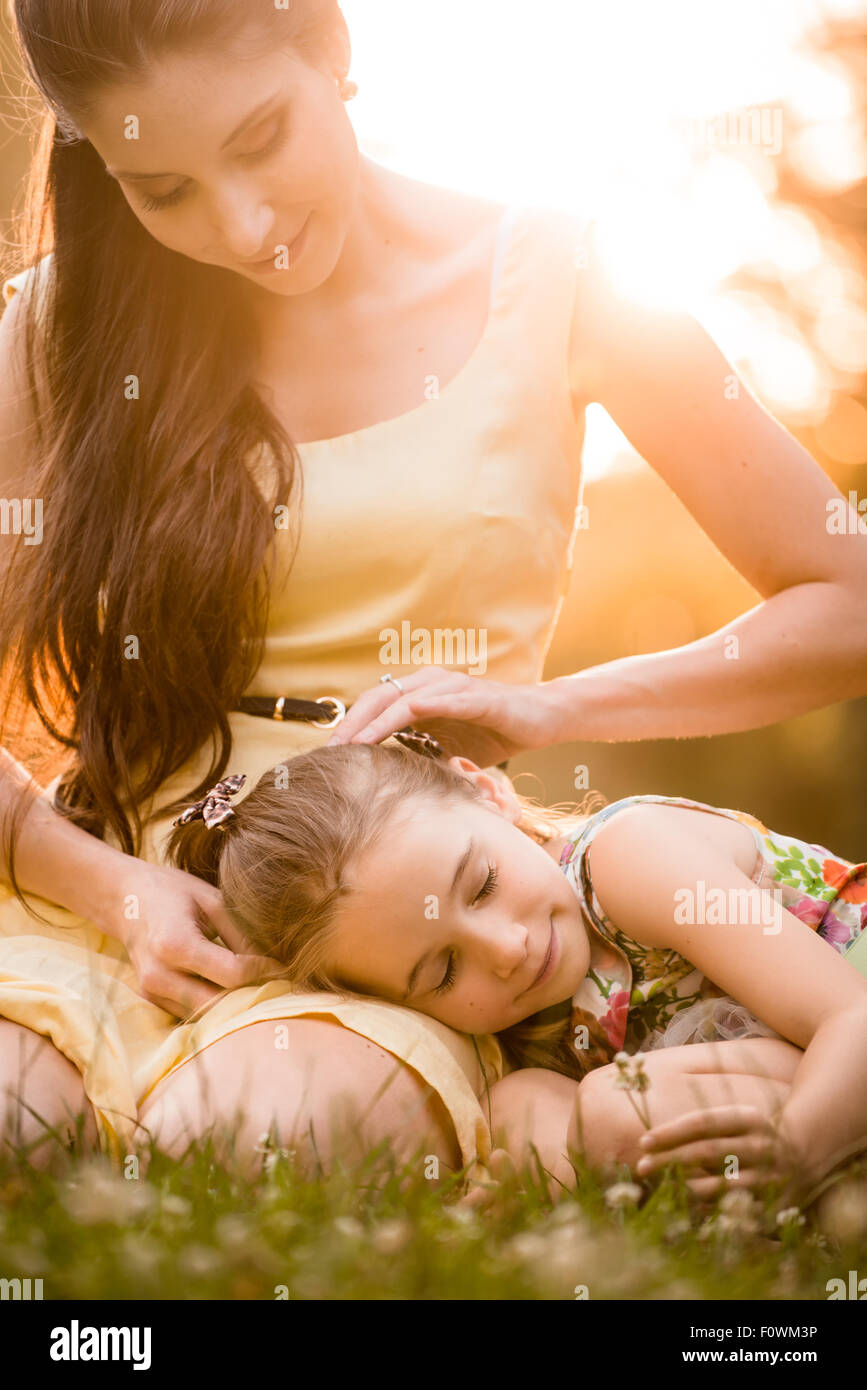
(154, 527)
(282, 861)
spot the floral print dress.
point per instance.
(632, 996)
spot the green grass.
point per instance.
(195, 1230)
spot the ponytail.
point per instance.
(198, 849)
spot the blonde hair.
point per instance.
(281, 862)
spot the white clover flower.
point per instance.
(174, 1205)
(233, 1231)
(739, 1201)
(623, 1194)
(271, 1160)
(526, 1247)
(349, 1227)
(391, 1236)
(736, 1225)
(462, 1216)
(100, 1196)
(677, 1228)
(199, 1261)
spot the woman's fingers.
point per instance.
(468, 705)
(215, 920)
(376, 708)
(223, 967)
(177, 993)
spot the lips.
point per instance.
(545, 963)
(267, 260)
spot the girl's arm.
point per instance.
(595, 1118)
(641, 862)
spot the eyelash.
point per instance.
(278, 139)
(487, 888)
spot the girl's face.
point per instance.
(455, 911)
(230, 153)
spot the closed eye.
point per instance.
(487, 887)
(277, 140)
(489, 884)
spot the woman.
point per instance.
(231, 280)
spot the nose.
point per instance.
(501, 946)
(243, 222)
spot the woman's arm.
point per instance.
(760, 497)
(56, 859)
(162, 916)
(641, 862)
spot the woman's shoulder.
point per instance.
(452, 222)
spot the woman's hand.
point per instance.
(727, 1146)
(171, 942)
(512, 718)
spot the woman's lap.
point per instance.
(428, 1060)
(317, 1087)
(43, 1104)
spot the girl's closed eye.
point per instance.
(487, 887)
(489, 884)
(277, 140)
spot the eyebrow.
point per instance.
(419, 965)
(129, 177)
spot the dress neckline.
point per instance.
(503, 261)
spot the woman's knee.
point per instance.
(43, 1104)
(316, 1087)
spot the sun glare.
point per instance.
(666, 123)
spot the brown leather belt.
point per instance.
(312, 711)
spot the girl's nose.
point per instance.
(507, 949)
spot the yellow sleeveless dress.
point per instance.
(460, 513)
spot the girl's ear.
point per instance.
(498, 793)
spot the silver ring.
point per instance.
(382, 679)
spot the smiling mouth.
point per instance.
(269, 260)
(545, 963)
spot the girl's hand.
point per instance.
(706, 1141)
(485, 1186)
(171, 942)
(513, 718)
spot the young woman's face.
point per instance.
(457, 897)
(239, 152)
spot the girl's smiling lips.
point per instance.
(548, 964)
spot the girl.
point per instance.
(431, 884)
